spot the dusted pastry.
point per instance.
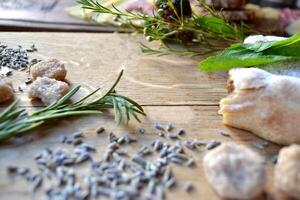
(6, 90)
(48, 90)
(268, 105)
(287, 171)
(51, 68)
(235, 171)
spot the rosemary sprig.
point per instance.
(15, 120)
(209, 31)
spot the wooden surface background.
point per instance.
(170, 88)
(43, 15)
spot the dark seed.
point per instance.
(159, 127)
(142, 130)
(274, 159)
(225, 134)
(181, 132)
(172, 136)
(12, 169)
(78, 135)
(188, 187)
(170, 127)
(212, 145)
(77, 142)
(100, 130)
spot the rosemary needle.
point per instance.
(15, 120)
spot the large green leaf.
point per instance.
(247, 55)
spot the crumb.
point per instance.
(48, 90)
(287, 170)
(235, 171)
(6, 90)
(51, 68)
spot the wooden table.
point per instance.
(43, 15)
(170, 88)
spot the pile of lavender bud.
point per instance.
(144, 174)
(14, 59)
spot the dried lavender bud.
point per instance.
(188, 187)
(37, 182)
(78, 135)
(83, 157)
(190, 145)
(212, 145)
(181, 132)
(258, 146)
(64, 139)
(142, 130)
(12, 169)
(112, 137)
(77, 142)
(121, 140)
(100, 130)
(190, 162)
(172, 136)
(161, 134)
(171, 183)
(274, 159)
(225, 134)
(139, 160)
(159, 127)
(170, 127)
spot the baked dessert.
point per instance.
(235, 171)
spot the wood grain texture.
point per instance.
(171, 88)
(92, 59)
(43, 15)
(199, 122)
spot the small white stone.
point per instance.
(6, 90)
(51, 68)
(287, 171)
(235, 171)
(48, 90)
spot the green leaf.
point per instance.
(247, 55)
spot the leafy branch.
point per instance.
(209, 31)
(15, 120)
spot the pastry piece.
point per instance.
(235, 171)
(6, 90)
(287, 171)
(48, 90)
(51, 68)
(268, 105)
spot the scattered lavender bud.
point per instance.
(142, 130)
(212, 145)
(170, 127)
(172, 136)
(161, 134)
(12, 169)
(78, 135)
(188, 187)
(181, 132)
(100, 130)
(223, 133)
(159, 127)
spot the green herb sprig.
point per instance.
(15, 120)
(207, 32)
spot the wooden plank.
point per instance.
(43, 15)
(200, 122)
(91, 59)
